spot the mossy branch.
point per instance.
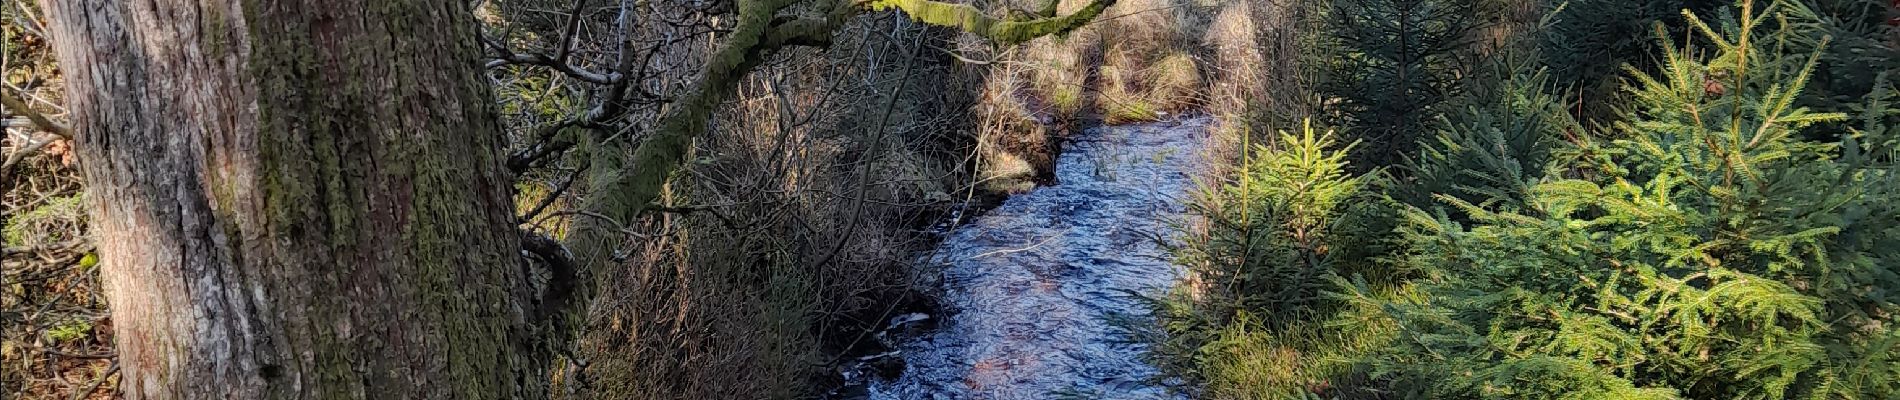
(1002, 31)
(623, 187)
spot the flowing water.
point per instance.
(1030, 285)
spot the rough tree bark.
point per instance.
(308, 198)
(298, 198)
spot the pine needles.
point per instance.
(1729, 232)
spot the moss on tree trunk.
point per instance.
(307, 198)
(297, 199)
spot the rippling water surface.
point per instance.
(1029, 284)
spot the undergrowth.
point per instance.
(1143, 60)
(55, 336)
(1726, 233)
(1255, 321)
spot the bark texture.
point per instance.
(298, 199)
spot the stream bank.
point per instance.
(1029, 288)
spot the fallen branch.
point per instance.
(61, 246)
(506, 57)
(31, 146)
(15, 106)
(61, 354)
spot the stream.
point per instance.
(1029, 287)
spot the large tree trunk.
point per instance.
(307, 198)
(298, 198)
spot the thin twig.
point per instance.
(876, 142)
(1044, 241)
(67, 245)
(105, 356)
(554, 195)
(573, 29)
(507, 56)
(97, 381)
(728, 222)
(32, 146)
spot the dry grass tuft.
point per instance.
(1142, 61)
(1149, 71)
(1174, 82)
(1013, 144)
(1236, 85)
(1059, 69)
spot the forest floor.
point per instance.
(55, 336)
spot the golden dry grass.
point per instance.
(1143, 60)
(1012, 143)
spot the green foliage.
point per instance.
(1493, 148)
(1708, 252)
(1586, 43)
(1857, 52)
(1130, 110)
(70, 331)
(1873, 135)
(1398, 63)
(59, 220)
(1733, 235)
(1275, 220)
(1280, 231)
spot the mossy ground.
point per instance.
(59, 219)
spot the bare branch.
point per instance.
(553, 195)
(565, 276)
(506, 57)
(14, 105)
(96, 381)
(545, 143)
(573, 29)
(810, 32)
(67, 246)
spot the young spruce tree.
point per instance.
(1493, 147)
(1257, 324)
(1398, 61)
(1707, 252)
